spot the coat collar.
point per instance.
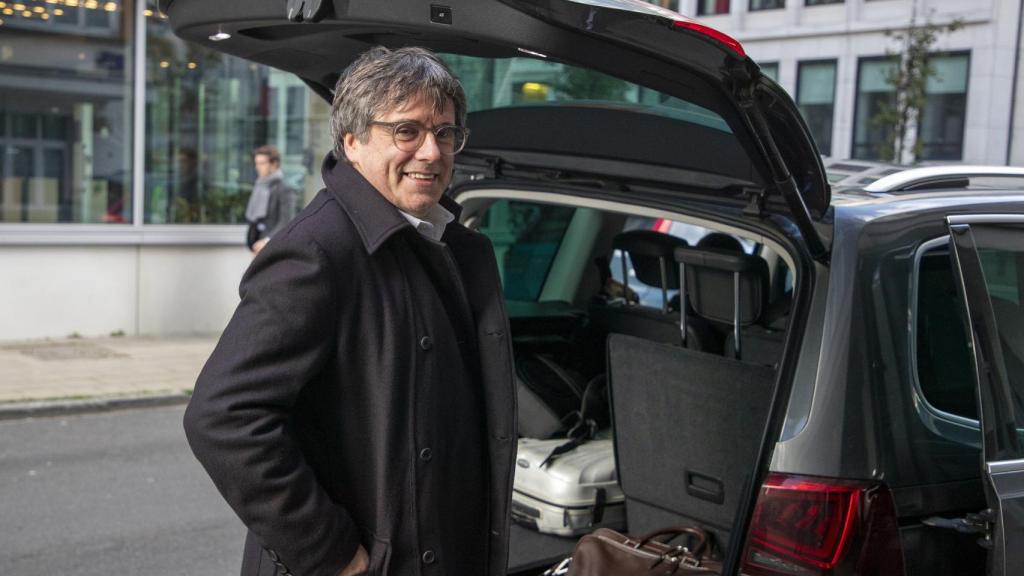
(374, 217)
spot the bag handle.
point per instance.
(675, 532)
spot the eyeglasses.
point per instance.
(409, 135)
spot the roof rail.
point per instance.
(937, 176)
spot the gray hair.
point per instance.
(381, 80)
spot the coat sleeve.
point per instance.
(237, 421)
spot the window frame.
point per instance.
(966, 93)
(861, 60)
(750, 6)
(835, 85)
(702, 12)
(946, 424)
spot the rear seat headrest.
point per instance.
(645, 249)
(721, 241)
(711, 275)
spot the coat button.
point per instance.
(429, 557)
(426, 343)
(426, 454)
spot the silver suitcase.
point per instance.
(573, 494)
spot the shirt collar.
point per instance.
(374, 217)
(433, 224)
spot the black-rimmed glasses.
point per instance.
(409, 135)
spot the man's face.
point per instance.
(264, 167)
(413, 181)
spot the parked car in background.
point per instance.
(835, 390)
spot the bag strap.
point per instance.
(674, 532)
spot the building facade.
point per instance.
(833, 57)
(125, 153)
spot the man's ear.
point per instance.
(351, 145)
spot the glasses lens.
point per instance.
(451, 139)
(409, 137)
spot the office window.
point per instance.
(712, 7)
(770, 69)
(66, 113)
(766, 4)
(941, 130)
(816, 90)
(872, 91)
(819, 2)
(672, 5)
(205, 114)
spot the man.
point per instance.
(358, 411)
(272, 204)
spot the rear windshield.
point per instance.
(508, 82)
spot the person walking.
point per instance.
(272, 204)
(358, 413)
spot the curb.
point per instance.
(42, 408)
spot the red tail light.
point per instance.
(715, 35)
(818, 526)
(662, 225)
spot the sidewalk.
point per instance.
(43, 375)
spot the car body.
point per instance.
(846, 460)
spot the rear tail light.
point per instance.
(662, 225)
(806, 526)
(729, 42)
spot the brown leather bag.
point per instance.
(606, 552)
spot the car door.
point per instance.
(988, 258)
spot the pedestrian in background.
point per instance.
(272, 204)
(358, 413)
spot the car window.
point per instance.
(526, 237)
(505, 82)
(1003, 266)
(943, 358)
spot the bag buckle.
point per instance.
(690, 561)
(561, 569)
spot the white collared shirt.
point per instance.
(434, 224)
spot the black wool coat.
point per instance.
(305, 415)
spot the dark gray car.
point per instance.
(843, 398)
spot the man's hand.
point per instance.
(259, 244)
(359, 564)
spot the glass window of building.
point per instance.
(816, 91)
(205, 114)
(819, 2)
(766, 4)
(873, 91)
(941, 131)
(712, 7)
(672, 5)
(770, 69)
(66, 112)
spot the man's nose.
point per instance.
(429, 149)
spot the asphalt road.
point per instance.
(115, 493)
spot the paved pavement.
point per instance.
(43, 375)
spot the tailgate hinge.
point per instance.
(977, 523)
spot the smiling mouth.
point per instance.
(421, 176)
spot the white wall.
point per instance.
(90, 290)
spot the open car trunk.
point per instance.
(686, 419)
(685, 124)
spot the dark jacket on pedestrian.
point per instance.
(282, 205)
(327, 411)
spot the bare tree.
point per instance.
(908, 77)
